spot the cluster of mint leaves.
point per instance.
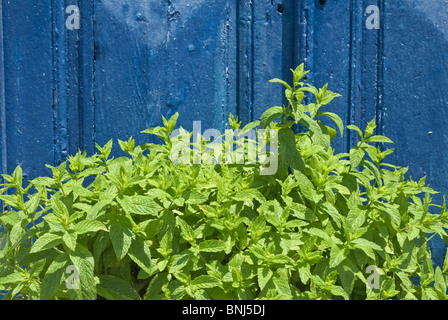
(142, 227)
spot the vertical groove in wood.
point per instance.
(82, 53)
(380, 71)
(82, 80)
(303, 26)
(355, 81)
(304, 46)
(53, 76)
(3, 97)
(93, 77)
(289, 38)
(237, 55)
(226, 48)
(230, 65)
(245, 63)
(252, 61)
(59, 66)
(73, 108)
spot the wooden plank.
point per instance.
(414, 103)
(273, 56)
(3, 152)
(61, 72)
(28, 92)
(86, 101)
(324, 42)
(155, 58)
(371, 68)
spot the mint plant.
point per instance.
(143, 227)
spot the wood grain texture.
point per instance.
(28, 100)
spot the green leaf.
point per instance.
(356, 156)
(270, 115)
(439, 281)
(321, 234)
(427, 294)
(328, 96)
(264, 275)
(282, 286)
(205, 282)
(13, 278)
(370, 128)
(84, 262)
(339, 291)
(335, 118)
(121, 237)
(114, 288)
(249, 126)
(347, 271)
(105, 151)
(155, 287)
(32, 205)
(141, 255)
(249, 195)
(187, 232)
(367, 246)
(158, 131)
(17, 176)
(378, 139)
(337, 255)
(276, 80)
(445, 262)
(150, 228)
(331, 210)
(171, 123)
(287, 155)
(69, 239)
(390, 210)
(306, 186)
(179, 262)
(195, 197)
(100, 244)
(53, 277)
(89, 225)
(46, 241)
(140, 205)
(212, 246)
(353, 127)
(4, 243)
(97, 207)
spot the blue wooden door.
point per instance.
(129, 62)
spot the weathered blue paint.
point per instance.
(27, 106)
(133, 61)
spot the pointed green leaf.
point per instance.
(212, 246)
(140, 205)
(270, 115)
(46, 241)
(121, 237)
(114, 288)
(378, 139)
(89, 225)
(69, 239)
(141, 255)
(53, 277)
(84, 262)
(353, 127)
(335, 118)
(205, 282)
(276, 80)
